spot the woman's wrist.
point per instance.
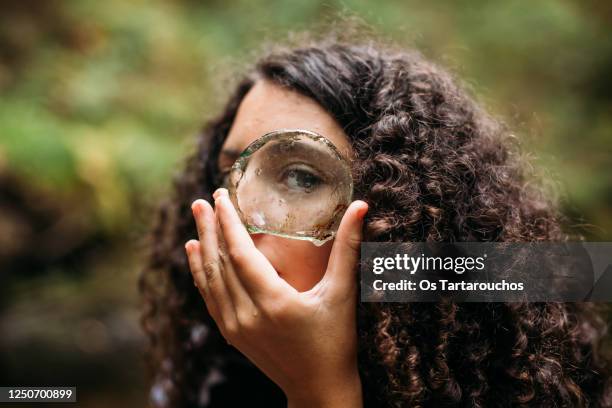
(341, 392)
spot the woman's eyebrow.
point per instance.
(228, 156)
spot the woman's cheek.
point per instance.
(300, 263)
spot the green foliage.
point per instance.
(100, 91)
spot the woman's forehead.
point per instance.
(268, 107)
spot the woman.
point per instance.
(276, 321)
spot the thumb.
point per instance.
(340, 274)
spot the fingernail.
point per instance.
(221, 192)
(196, 206)
(222, 196)
(363, 210)
(189, 244)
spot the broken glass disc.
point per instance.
(293, 184)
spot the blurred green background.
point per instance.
(100, 100)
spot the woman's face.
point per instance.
(265, 108)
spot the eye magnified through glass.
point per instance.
(291, 183)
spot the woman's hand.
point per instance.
(306, 342)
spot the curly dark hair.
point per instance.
(433, 166)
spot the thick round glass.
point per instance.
(292, 183)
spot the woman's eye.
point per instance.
(301, 180)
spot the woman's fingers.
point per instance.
(254, 270)
(340, 275)
(194, 255)
(240, 298)
(209, 274)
